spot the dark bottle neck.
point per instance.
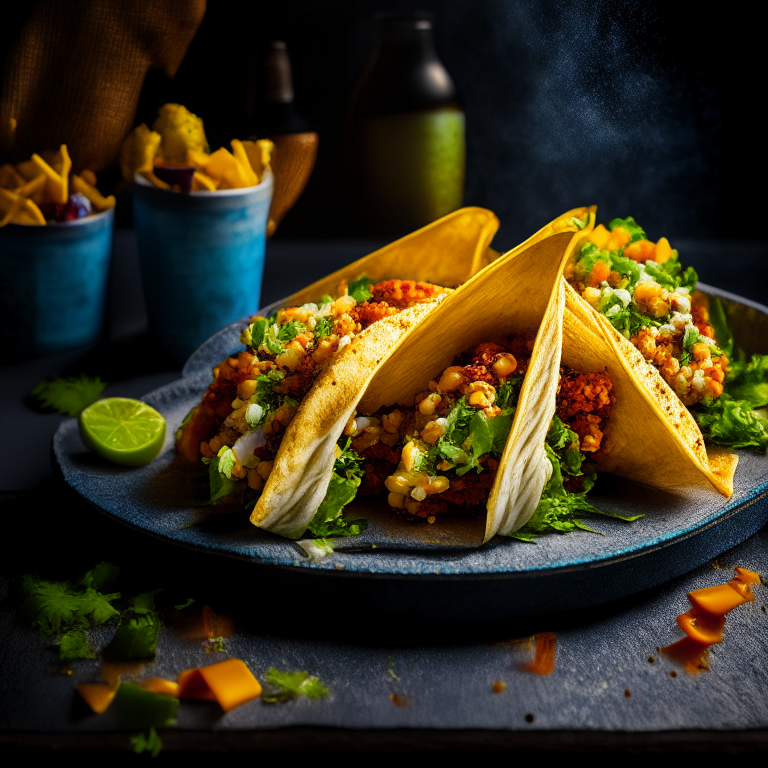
(274, 108)
(404, 72)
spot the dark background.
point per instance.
(639, 108)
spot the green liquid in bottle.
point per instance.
(412, 166)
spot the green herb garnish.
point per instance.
(283, 686)
(69, 396)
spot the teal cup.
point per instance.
(53, 284)
(202, 260)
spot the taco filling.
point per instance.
(644, 292)
(440, 457)
(238, 425)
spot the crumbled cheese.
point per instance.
(623, 296)
(681, 320)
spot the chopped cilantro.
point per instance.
(69, 396)
(214, 645)
(290, 331)
(360, 289)
(283, 686)
(323, 327)
(257, 330)
(136, 637)
(326, 299)
(74, 645)
(329, 519)
(185, 604)
(690, 338)
(56, 607)
(150, 743)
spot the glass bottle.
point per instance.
(406, 129)
(276, 118)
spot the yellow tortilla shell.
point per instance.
(391, 361)
(651, 437)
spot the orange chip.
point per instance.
(239, 152)
(229, 682)
(259, 154)
(202, 182)
(228, 170)
(97, 696)
(10, 178)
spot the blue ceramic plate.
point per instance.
(678, 533)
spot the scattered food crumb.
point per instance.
(544, 661)
(627, 692)
(651, 660)
(400, 701)
(673, 673)
(529, 718)
(499, 686)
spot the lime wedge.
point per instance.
(123, 430)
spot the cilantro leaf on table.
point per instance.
(150, 743)
(74, 645)
(283, 686)
(68, 396)
(55, 607)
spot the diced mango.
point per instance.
(193, 686)
(663, 251)
(702, 626)
(229, 682)
(717, 600)
(640, 250)
(160, 685)
(600, 236)
(97, 696)
(620, 236)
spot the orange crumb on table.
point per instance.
(544, 660)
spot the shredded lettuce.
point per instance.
(329, 519)
(558, 509)
(733, 423)
(636, 232)
(220, 475)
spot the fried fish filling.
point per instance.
(441, 457)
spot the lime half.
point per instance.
(123, 430)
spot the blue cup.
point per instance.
(202, 260)
(53, 283)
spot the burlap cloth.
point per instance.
(74, 73)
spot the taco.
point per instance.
(635, 294)
(518, 293)
(500, 401)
